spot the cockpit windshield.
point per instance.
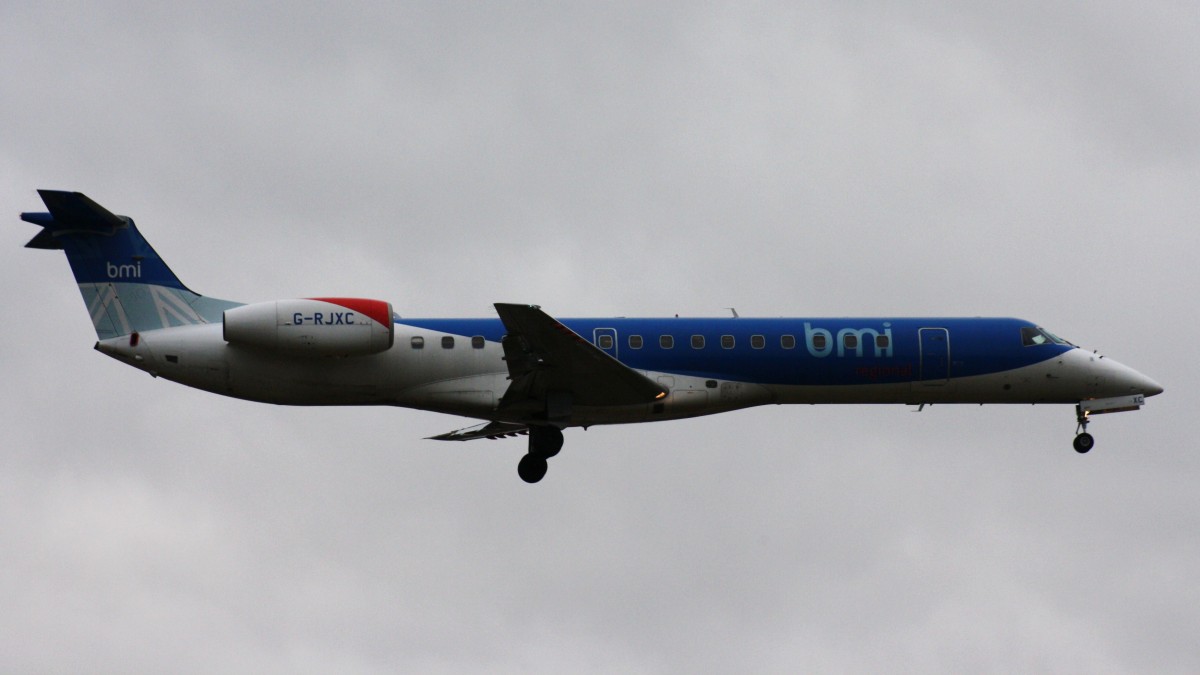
(1034, 336)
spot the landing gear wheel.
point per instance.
(531, 468)
(1084, 442)
(545, 442)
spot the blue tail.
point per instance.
(125, 284)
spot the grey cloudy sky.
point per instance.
(785, 159)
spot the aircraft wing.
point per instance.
(549, 363)
(491, 430)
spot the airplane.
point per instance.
(523, 372)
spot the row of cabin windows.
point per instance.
(756, 341)
(668, 342)
(477, 342)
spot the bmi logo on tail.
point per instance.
(133, 271)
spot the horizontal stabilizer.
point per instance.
(44, 239)
(70, 212)
(76, 211)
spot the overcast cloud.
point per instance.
(784, 159)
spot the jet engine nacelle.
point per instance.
(313, 326)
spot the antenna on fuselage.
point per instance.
(735, 314)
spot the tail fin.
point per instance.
(127, 288)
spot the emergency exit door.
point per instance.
(935, 356)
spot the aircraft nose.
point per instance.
(1150, 387)
(1134, 381)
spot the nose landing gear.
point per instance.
(1083, 440)
(1100, 406)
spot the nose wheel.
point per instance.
(1083, 440)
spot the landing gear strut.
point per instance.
(544, 443)
(1084, 440)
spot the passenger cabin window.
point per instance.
(697, 342)
(418, 342)
(787, 341)
(881, 342)
(477, 342)
(635, 341)
(850, 341)
(605, 342)
(818, 342)
(757, 342)
(447, 342)
(666, 341)
(727, 342)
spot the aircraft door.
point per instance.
(606, 340)
(935, 356)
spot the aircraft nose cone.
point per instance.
(1150, 387)
(1121, 380)
(1136, 382)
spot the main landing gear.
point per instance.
(544, 443)
(1083, 440)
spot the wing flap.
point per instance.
(492, 430)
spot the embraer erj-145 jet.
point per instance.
(526, 373)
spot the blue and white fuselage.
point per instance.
(713, 365)
(525, 372)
